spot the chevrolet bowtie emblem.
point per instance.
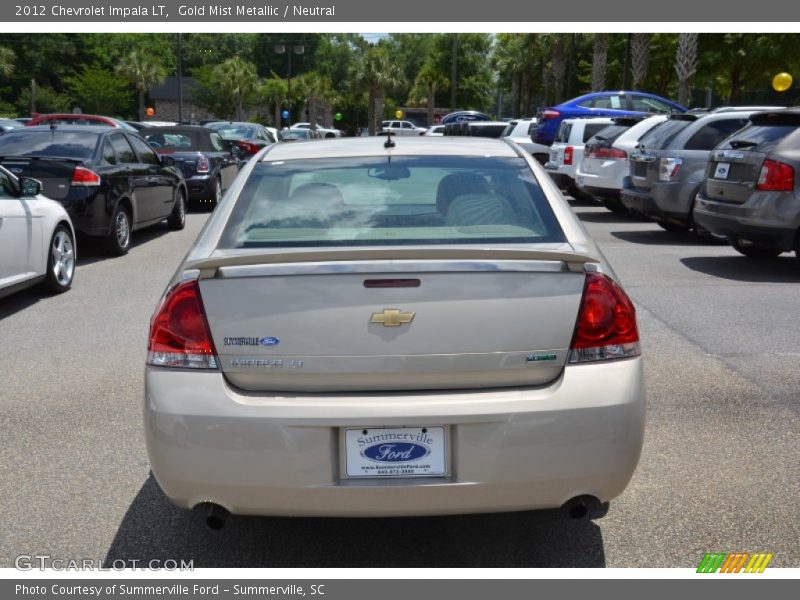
(392, 317)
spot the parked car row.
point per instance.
(727, 174)
(106, 178)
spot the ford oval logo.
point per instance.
(270, 341)
(395, 452)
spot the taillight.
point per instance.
(568, 154)
(549, 113)
(84, 176)
(607, 153)
(248, 147)
(668, 168)
(179, 333)
(775, 177)
(606, 327)
(203, 165)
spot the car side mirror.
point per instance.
(29, 187)
(168, 161)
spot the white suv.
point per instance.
(566, 152)
(605, 159)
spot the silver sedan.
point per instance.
(373, 327)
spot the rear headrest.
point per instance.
(458, 184)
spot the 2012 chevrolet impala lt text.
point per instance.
(385, 327)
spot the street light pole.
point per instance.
(289, 49)
(180, 81)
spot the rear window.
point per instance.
(563, 132)
(60, 144)
(759, 138)
(413, 200)
(711, 134)
(609, 133)
(662, 136)
(592, 129)
(234, 132)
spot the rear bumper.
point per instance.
(759, 220)
(664, 201)
(200, 186)
(560, 177)
(514, 449)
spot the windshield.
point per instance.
(412, 200)
(231, 131)
(60, 144)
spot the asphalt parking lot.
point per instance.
(719, 470)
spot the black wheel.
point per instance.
(60, 261)
(119, 238)
(177, 218)
(615, 205)
(678, 227)
(752, 250)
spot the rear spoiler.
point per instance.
(72, 159)
(208, 266)
(776, 118)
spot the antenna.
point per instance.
(389, 143)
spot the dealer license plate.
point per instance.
(722, 171)
(395, 452)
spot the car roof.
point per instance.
(75, 128)
(404, 146)
(233, 123)
(168, 128)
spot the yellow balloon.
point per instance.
(782, 82)
(398, 114)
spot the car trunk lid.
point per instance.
(54, 173)
(377, 319)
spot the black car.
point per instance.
(248, 137)
(209, 164)
(108, 179)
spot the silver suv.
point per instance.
(668, 167)
(750, 194)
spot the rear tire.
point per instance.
(60, 261)
(119, 239)
(216, 193)
(757, 251)
(177, 218)
(615, 205)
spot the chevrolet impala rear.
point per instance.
(382, 328)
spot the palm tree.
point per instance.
(376, 72)
(7, 60)
(428, 81)
(599, 61)
(239, 79)
(273, 91)
(314, 87)
(559, 63)
(685, 64)
(640, 58)
(143, 72)
(509, 62)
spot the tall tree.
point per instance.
(274, 91)
(98, 90)
(428, 81)
(640, 58)
(558, 56)
(143, 72)
(599, 61)
(686, 64)
(239, 79)
(7, 60)
(376, 72)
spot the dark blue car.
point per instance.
(600, 104)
